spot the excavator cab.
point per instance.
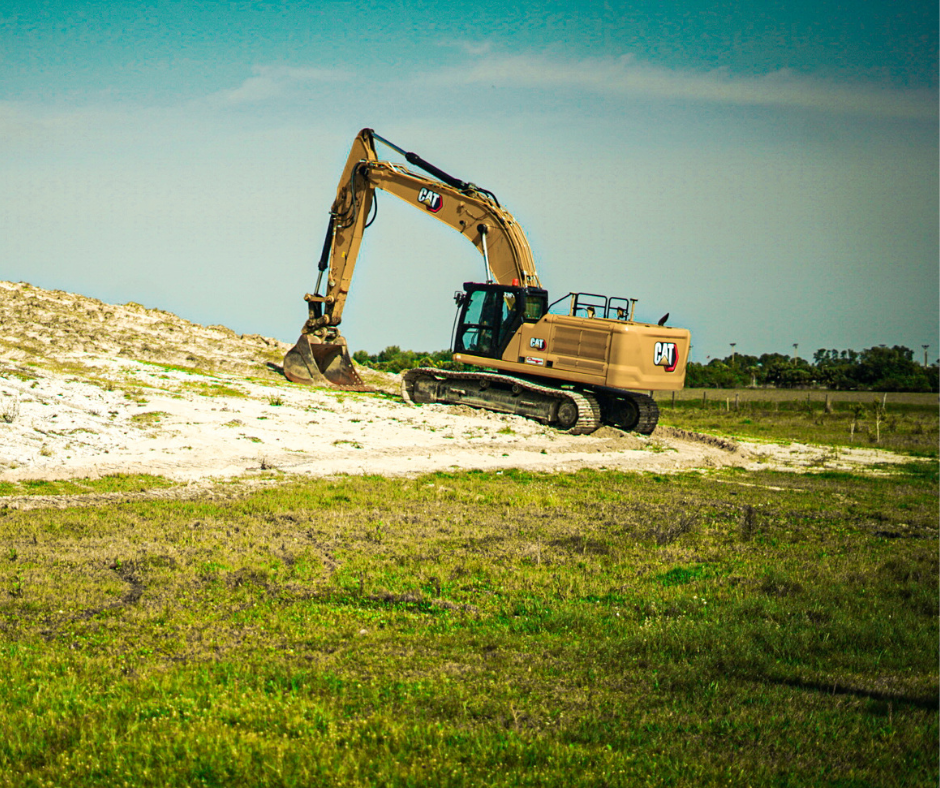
(491, 314)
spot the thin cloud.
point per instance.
(472, 48)
(273, 82)
(627, 75)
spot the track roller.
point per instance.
(576, 412)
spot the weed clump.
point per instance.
(11, 410)
(748, 526)
(667, 534)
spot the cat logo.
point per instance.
(666, 355)
(538, 344)
(430, 200)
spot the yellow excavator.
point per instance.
(593, 364)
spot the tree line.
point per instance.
(394, 359)
(878, 368)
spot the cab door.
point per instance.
(488, 319)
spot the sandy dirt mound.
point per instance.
(88, 388)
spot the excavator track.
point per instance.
(577, 412)
(649, 413)
(628, 410)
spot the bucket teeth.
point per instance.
(322, 364)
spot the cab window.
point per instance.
(534, 308)
(486, 322)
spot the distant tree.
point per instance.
(795, 377)
(932, 374)
(721, 373)
(891, 369)
(836, 369)
(394, 359)
(696, 376)
(390, 355)
(767, 359)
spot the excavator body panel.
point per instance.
(586, 351)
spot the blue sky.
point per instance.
(765, 172)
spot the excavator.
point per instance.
(587, 363)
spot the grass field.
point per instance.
(598, 628)
(895, 421)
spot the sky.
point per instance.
(766, 172)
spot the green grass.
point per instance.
(149, 417)
(212, 390)
(188, 370)
(597, 628)
(908, 423)
(118, 482)
(15, 372)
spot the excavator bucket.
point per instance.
(326, 364)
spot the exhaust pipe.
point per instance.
(316, 363)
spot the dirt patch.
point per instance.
(88, 388)
(676, 433)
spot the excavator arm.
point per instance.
(349, 217)
(473, 212)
